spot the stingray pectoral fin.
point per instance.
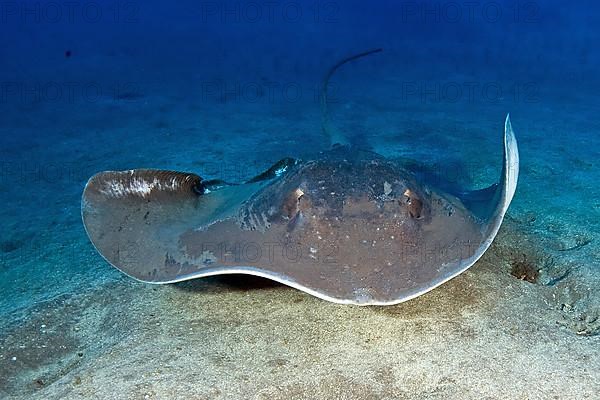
(490, 204)
(480, 202)
(505, 190)
(135, 219)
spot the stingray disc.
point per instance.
(347, 226)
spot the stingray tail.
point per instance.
(334, 136)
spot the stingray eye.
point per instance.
(415, 205)
(291, 204)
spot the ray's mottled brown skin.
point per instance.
(349, 224)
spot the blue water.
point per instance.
(224, 89)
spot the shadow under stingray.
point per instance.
(233, 282)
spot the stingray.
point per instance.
(347, 225)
